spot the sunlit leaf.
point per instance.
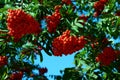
(32, 58)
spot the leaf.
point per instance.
(1, 15)
(111, 4)
(80, 21)
(28, 45)
(75, 29)
(1, 40)
(47, 52)
(32, 58)
(32, 14)
(22, 56)
(7, 6)
(83, 52)
(107, 15)
(80, 54)
(36, 1)
(86, 69)
(67, 21)
(79, 25)
(76, 25)
(104, 75)
(41, 56)
(118, 21)
(94, 76)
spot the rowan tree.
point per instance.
(90, 29)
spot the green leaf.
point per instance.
(33, 14)
(22, 56)
(36, 1)
(7, 6)
(118, 21)
(104, 75)
(76, 25)
(1, 15)
(107, 15)
(79, 25)
(83, 52)
(80, 54)
(86, 69)
(41, 56)
(28, 45)
(111, 4)
(1, 40)
(32, 58)
(75, 29)
(48, 53)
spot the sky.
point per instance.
(55, 63)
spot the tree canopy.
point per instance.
(90, 29)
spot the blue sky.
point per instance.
(55, 63)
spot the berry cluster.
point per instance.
(99, 6)
(42, 70)
(16, 76)
(68, 2)
(106, 57)
(3, 60)
(67, 44)
(20, 23)
(53, 20)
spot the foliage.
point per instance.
(97, 21)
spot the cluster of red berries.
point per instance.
(53, 20)
(67, 44)
(68, 2)
(3, 60)
(16, 76)
(43, 70)
(106, 57)
(20, 23)
(99, 6)
(84, 18)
